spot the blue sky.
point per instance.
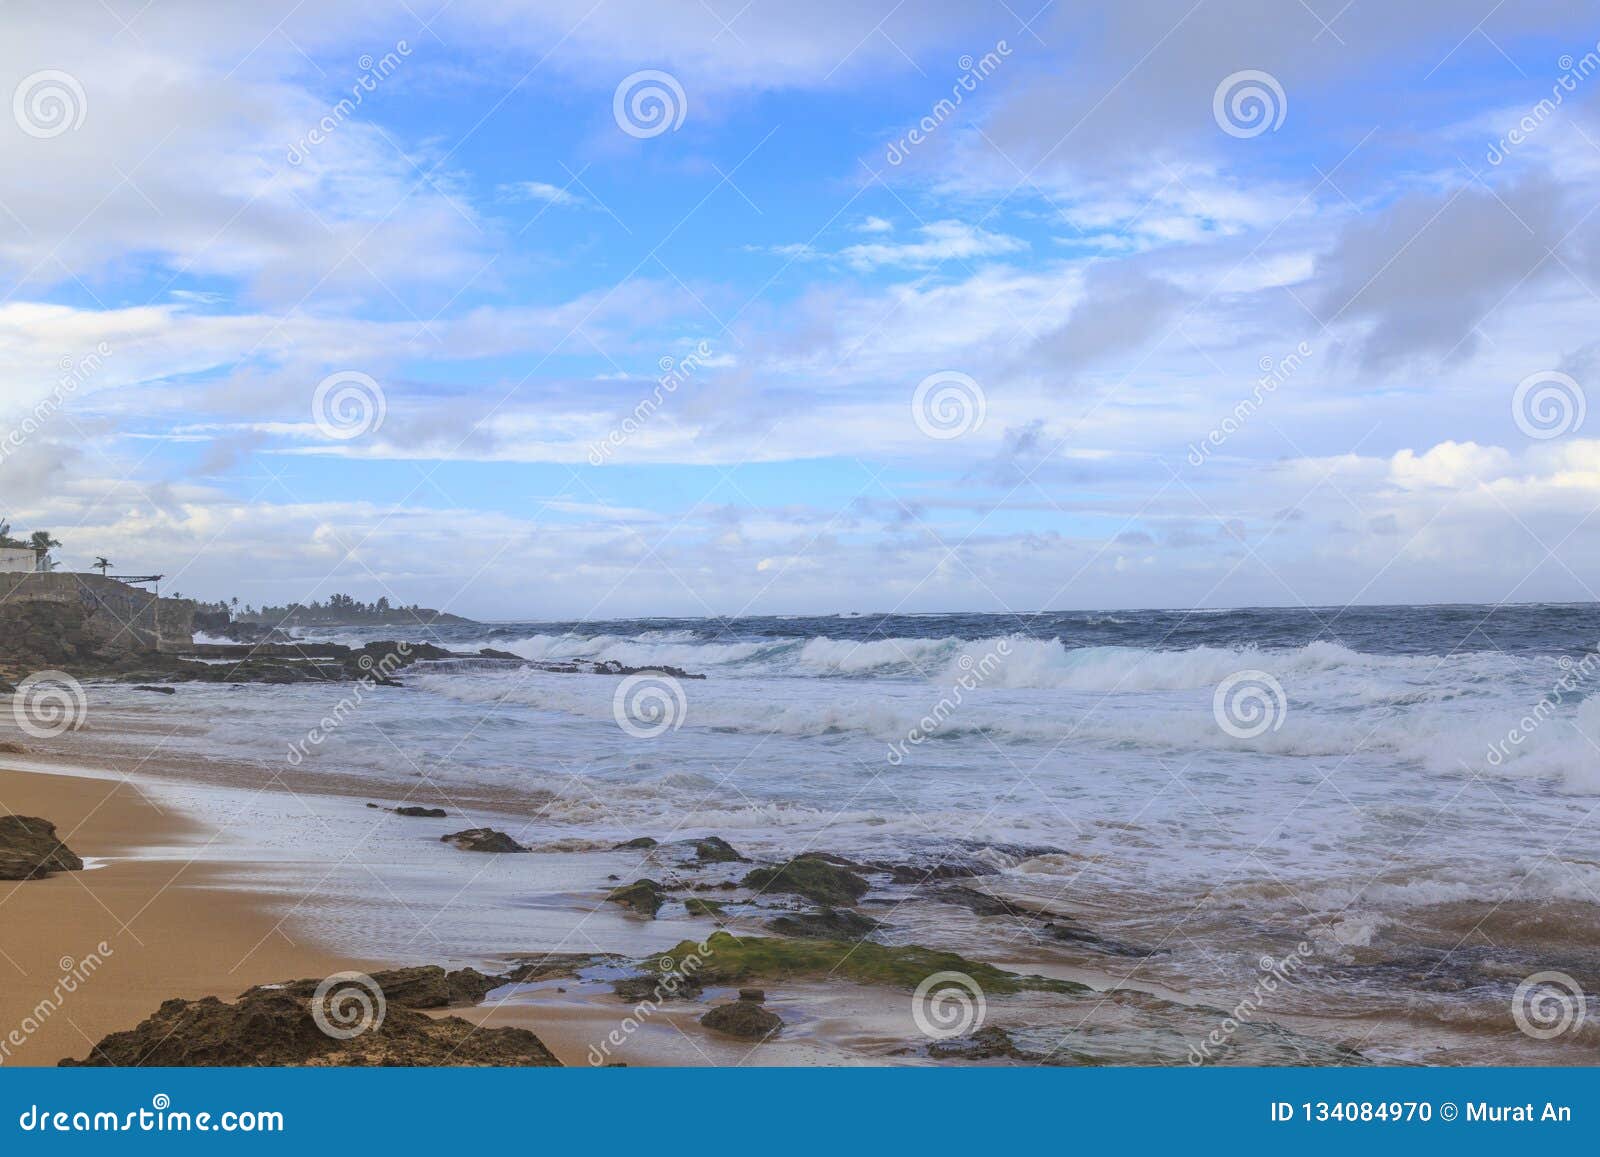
(1096, 258)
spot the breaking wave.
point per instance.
(1451, 714)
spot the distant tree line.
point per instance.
(338, 609)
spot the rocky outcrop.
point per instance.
(716, 850)
(987, 1044)
(658, 988)
(29, 849)
(698, 906)
(526, 969)
(816, 877)
(640, 844)
(1045, 923)
(60, 620)
(426, 813)
(643, 896)
(609, 667)
(828, 924)
(733, 960)
(423, 987)
(482, 840)
(275, 1026)
(744, 1019)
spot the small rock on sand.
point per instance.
(482, 840)
(744, 1019)
(29, 849)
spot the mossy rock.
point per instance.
(729, 959)
(812, 877)
(695, 906)
(641, 844)
(716, 850)
(828, 924)
(643, 896)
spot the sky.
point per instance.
(719, 307)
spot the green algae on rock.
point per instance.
(716, 850)
(828, 924)
(810, 876)
(644, 896)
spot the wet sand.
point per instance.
(167, 930)
(145, 923)
(174, 924)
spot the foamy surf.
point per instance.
(1408, 777)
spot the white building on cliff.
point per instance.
(18, 558)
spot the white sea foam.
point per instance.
(1440, 714)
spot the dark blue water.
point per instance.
(1516, 629)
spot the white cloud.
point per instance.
(940, 241)
(538, 191)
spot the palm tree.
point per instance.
(42, 544)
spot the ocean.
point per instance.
(1400, 796)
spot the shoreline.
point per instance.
(187, 908)
(167, 926)
(98, 951)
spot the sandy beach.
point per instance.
(146, 922)
(170, 930)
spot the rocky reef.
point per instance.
(282, 1025)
